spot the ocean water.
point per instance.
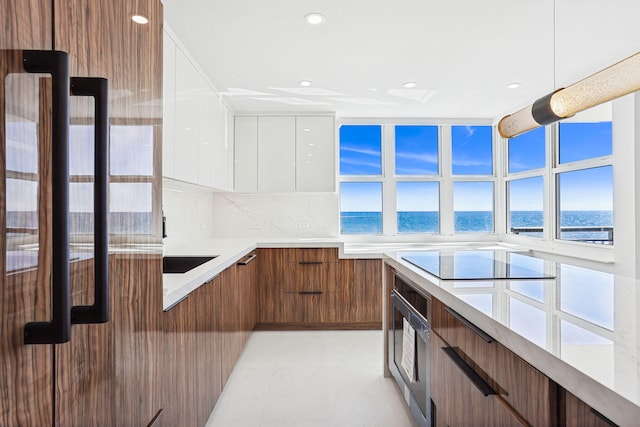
(428, 222)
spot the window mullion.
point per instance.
(446, 189)
(389, 215)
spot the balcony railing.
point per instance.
(608, 240)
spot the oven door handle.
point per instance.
(414, 318)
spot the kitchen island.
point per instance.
(579, 328)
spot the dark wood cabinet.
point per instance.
(311, 288)
(523, 395)
(575, 413)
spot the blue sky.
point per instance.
(417, 153)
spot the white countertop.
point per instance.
(580, 329)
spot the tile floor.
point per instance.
(311, 378)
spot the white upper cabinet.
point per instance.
(168, 105)
(210, 134)
(315, 154)
(196, 145)
(284, 154)
(190, 86)
(246, 154)
(276, 154)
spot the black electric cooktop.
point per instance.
(482, 264)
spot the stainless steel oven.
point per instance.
(409, 347)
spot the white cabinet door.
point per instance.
(208, 138)
(246, 154)
(189, 87)
(229, 147)
(168, 105)
(315, 155)
(222, 152)
(276, 154)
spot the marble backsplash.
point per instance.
(189, 212)
(275, 215)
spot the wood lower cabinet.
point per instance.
(311, 288)
(458, 400)
(528, 396)
(204, 335)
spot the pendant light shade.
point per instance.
(613, 82)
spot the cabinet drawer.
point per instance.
(460, 398)
(310, 276)
(309, 307)
(530, 393)
(311, 255)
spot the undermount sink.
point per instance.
(182, 264)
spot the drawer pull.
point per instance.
(310, 292)
(248, 259)
(479, 332)
(468, 371)
(310, 262)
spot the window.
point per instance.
(361, 207)
(473, 206)
(417, 206)
(578, 177)
(360, 150)
(586, 205)
(393, 180)
(471, 150)
(525, 202)
(416, 150)
(526, 151)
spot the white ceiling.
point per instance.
(462, 53)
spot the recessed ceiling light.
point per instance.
(307, 130)
(305, 83)
(409, 85)
(139, 19)
(513, 86)
(314, 18)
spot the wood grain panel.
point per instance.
(136, 288)
(231, 325)
(247, 278)
(208, 348)
(270, 264)
(575, 413)
(26, 370)
(300, 276)
(25, 24)
(312, 255)
(103, 42)
(180, 391)
(457, 400)
(366, 291)
(85, 369)
(527, 390)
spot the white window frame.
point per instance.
(444, 178)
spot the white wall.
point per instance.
(304, 215)
(189, 212)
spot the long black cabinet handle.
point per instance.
(248, 259)
(482, 334)
(310, 262)
(310, 292)
(58, 330)
(473, 376)
(98, 88)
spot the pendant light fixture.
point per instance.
(615, 81)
